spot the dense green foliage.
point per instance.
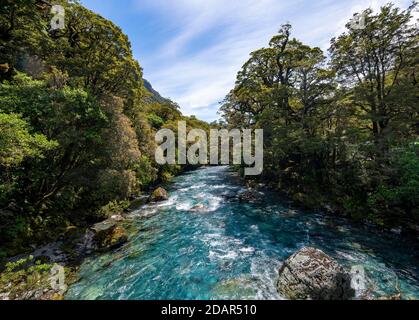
(77, 123)
(339, 132)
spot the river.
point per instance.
(233, 250)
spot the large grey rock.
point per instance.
(311, 274)
(103, 226)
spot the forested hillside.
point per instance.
(341, 132)
(77, 123)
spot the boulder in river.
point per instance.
(249, 196)
(107, 235)
(159, 195)
(199, 208)
(311, 274)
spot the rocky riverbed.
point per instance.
(210, 237)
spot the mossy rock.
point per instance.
(109, 238)
(159, 195)
(28, 279)
(54, 296)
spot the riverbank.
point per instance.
(205, 242)
(28, 276)
(214, 238)
(321, 204)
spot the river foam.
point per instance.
(233, 250)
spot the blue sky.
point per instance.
(191, 50)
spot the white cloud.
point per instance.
(199, 78)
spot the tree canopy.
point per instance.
(340, 132)
(77, 123)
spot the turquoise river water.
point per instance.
(233, 250)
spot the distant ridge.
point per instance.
(155, 96)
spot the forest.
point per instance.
(79, 130)
(340, 127)
(77, 122)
